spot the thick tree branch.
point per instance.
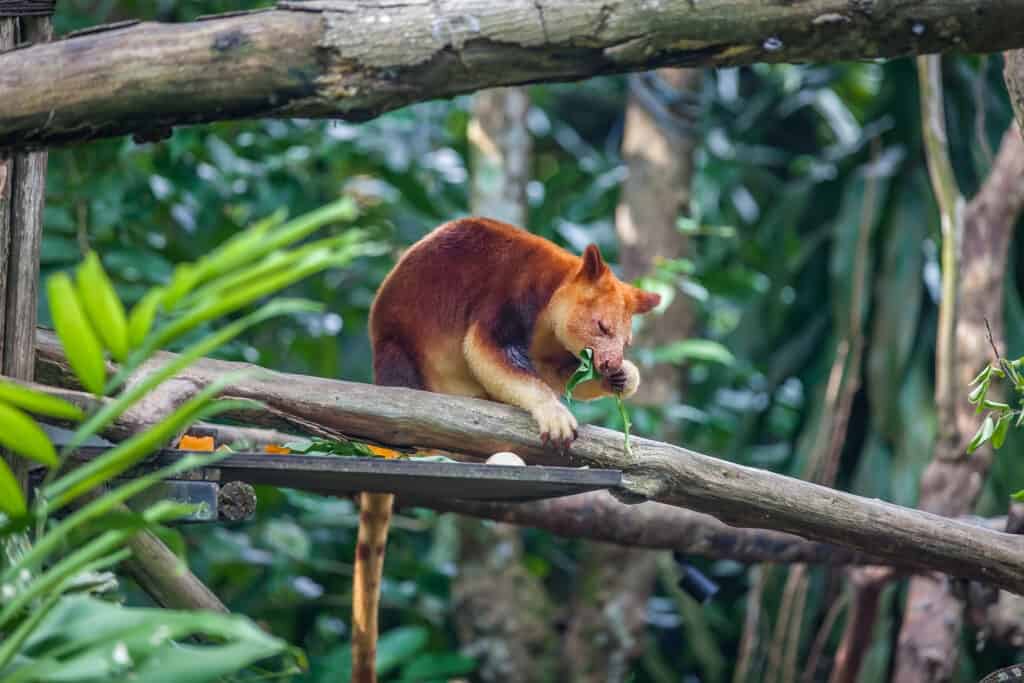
(741, 496)
(356, 59)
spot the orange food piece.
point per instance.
(276, 450)
(383, 452)
(196, 443)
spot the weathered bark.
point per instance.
(953, 480)
(737, 495)
(596, 516)
(1013, 74)
(22, 188)
(502, 612)
(356, 59)
(866, 584)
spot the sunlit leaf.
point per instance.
(37, 402)
(22, 435)
(104, 308)
(12, 501)
(82, 348)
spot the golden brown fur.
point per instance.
(481, 308)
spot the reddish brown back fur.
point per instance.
(466, 270)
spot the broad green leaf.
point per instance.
(82, 348)
(104, 308)
(101, 549)
(12, 500)
(437, 666)
(98, 641)
(21, 434)
(1018, 496)
(37, 402)
(398, 646)
(693, 349)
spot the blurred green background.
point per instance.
(783, 153)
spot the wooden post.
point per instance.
(22, 188)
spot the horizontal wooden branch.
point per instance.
(595, 516)
(355, 59)
(737, 495)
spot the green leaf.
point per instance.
(37, 402)
(983, 434)
(584, 373)
(264, 237)
(140, 321)
(1001, 430)
(982, 376)
(434, 666)
(21, 434)
(398, 646)
(235, 300)
(104, 308)
(82, 348)
(12, 500)
(626, 424)
(48, 543)
(1018, 496)
(694, 350)
(97, 641)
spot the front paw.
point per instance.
(557, 424)
(623, 381)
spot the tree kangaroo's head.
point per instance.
(594, 309)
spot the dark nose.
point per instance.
(608, 365)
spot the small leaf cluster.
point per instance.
(586, 372)
(996, 424)
(51, 570)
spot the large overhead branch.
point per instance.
(355, 59)
(740, 496)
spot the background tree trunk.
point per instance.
(609, 616)
(951, 483)
(502, 612)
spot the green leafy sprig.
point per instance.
(586, 372)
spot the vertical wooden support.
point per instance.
(22, 191)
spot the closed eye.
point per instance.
(604, 328)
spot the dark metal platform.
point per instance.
(338, 475)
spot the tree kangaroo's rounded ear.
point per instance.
(593, 265)
(644, 301)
